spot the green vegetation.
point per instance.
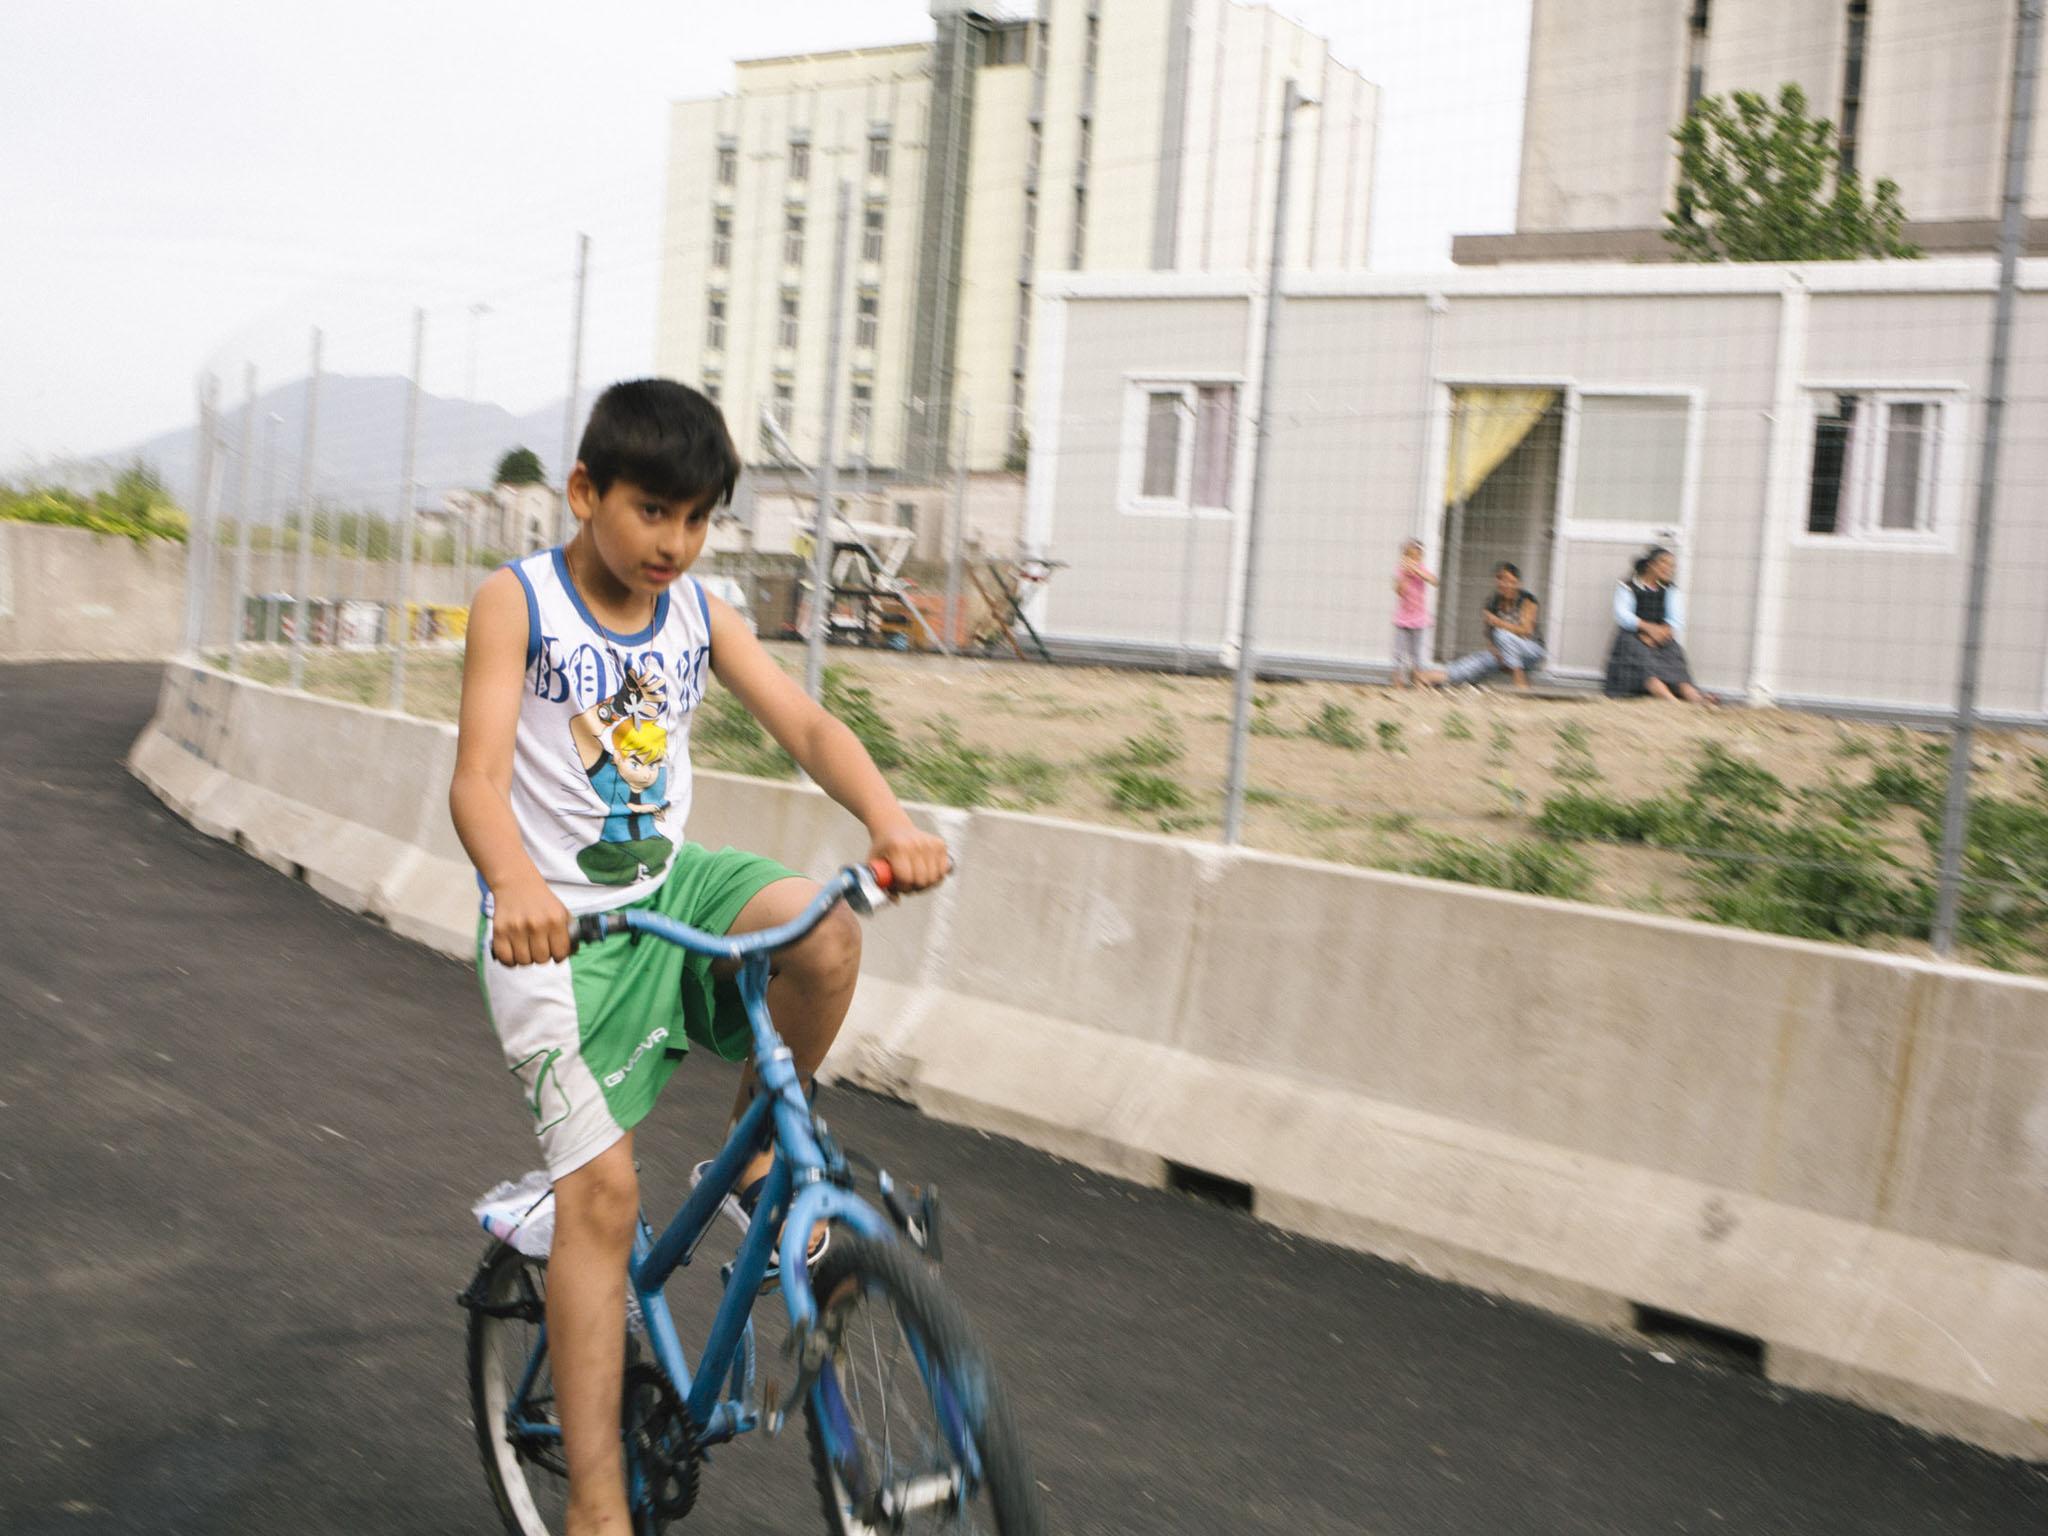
(1821, 864)
(1336, 726)
(1530, 865)
(1389, 733)
(520, 466)
(1160, 747)
(1758, 182)
(136, 506)
(1134, 789)
(1457, 727)
(1574, 763)
(851, 703)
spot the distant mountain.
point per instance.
(359, 448)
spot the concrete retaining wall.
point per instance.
(1842, 1154)
(67, 593)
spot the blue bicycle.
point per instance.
(908, 1427)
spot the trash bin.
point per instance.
(361, 624)
(265, 617)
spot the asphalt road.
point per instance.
(240, 1129)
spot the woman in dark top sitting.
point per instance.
(1649, 614)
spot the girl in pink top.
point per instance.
(1411, 611)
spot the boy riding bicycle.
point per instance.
(583, 670)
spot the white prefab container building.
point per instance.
(1806, 438)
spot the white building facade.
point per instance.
(1919, 90)
(1806, 438)
(1073, 135)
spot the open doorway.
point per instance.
(1500, 501)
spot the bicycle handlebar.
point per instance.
(862, 887)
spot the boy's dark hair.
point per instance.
(665, 438)
(1506, 568)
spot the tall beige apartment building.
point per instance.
(1070, 134)
(1920, 91)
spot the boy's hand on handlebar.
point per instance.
(917, 859)
(529, 925)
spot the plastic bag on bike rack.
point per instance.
(521, 1212)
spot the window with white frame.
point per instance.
(785, 333)
(784, 406)
(792, 239)
(1631, 459)
(800, 160)
(878, 152)
(1180, 446)
(867, 318)
(721, 239)
(1875, 467)
(728, 164)
(862, 411)
(714, 323)
(871, 232)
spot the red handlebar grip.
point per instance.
(884, 875)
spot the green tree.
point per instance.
(1764, 183)
(520, 467)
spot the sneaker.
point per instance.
(738, 1208)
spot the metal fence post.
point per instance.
(955, 546)
(302, 607)
(405, 512)
(828, 455)
(195, 522)
(1955, 812)
(1247, 658)
(563, 519)
(238, 599)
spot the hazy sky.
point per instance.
(195, 185)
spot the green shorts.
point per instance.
(593, 1039)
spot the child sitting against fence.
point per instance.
(1514, 641)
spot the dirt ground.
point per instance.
(1352, 773)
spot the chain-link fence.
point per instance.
(1671, 564)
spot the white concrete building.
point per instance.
(1919, 89)
(1076, 134)
(512, 519)
(1806, 438)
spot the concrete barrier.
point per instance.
(66, 593)
(1840, 1154)
(69, 594)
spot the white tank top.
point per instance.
(601, 761)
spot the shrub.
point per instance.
(1336, 726)
(853, 705)
(1133, 789)
(136, 506)
(1389, 733)
(1720, 775)
(1159, 747)
(1457, 727)
(948, 770)
(1810, 881)
(1529, 865)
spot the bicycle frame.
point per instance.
(800, 1192)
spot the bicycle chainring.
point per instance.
(663, 1442)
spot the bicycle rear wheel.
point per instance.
(909, 1429)
(528, 1477)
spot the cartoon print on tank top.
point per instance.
(623, 747)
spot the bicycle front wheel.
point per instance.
(909, 1429)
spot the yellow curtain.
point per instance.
(1488, 424)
